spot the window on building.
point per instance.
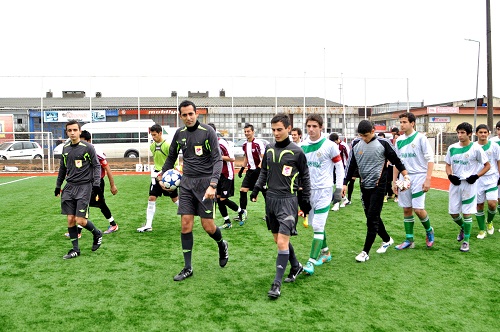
(19, 121)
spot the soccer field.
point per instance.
(127, 284)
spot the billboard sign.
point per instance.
(443, 110)
(65, 116)
(439, 119)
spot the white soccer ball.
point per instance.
(172, 179)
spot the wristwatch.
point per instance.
(213, 186)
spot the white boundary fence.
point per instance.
(46, 141)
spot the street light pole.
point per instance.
(477, 79)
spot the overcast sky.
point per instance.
(249, 48)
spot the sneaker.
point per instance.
(323, 258)
(429, 238)
(67, 235)
(385, 199)
(223, 254)
(242, 217)
(385, 245)
(111, 229)
(185, 273)
(464, 247)
(294, 272)
(348, 202)
(405, 245)
(460, 235)
(395, 200)
(226, 225)
(309, 268)
(490, 228)
(275, 291)
(362, 257)
(97, 241)
(144, 229)
(481, 235)
(305, 222)
(336, 206)
(342, 204)
(71, 254)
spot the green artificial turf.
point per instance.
(127, 284)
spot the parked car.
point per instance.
(58, 150)
(20, 150)
(238, 146)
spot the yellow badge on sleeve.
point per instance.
(78, 163)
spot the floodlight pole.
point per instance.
(477, 79)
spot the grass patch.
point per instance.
(127, 284)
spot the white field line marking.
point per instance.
(30, 177)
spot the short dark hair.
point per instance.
(364, 127)
(498, 124)
(281, 117)
(72, 122)
(86, 135)
(298, 130)
(482, 126)
(334, 137)
(186, 103)
(395, 130)
(381, 135)
(410, 116)
(248, 125)
(156, 128)
(211, 125)
(465, 126)
(315, 117)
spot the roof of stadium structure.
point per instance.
(149, 102)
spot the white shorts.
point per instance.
(462, 198)
(320, 206)
(487, 188)
(415, 196)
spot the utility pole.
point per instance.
(489, 65)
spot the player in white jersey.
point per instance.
(414, 150)
(322, 156)
(487, 188)
(465, 163)
(496, 139)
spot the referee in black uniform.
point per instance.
(82, 171)
(202, 165)
(283, 166)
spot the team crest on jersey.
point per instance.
(318, 154)
(78, 163)
(466, 156)
(198, 150)
(413, 145)
(287, 170)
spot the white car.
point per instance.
(58, 150)
(20, 150)
(238, 146)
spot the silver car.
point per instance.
(20, 150)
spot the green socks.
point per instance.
(409, 222)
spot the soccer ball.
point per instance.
(172, 179)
